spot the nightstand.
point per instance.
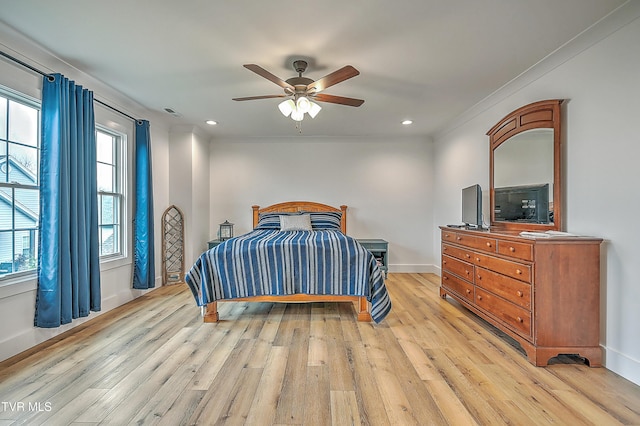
(213, 243)
(380, 249)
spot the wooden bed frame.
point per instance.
(364, 314)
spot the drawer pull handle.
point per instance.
(519, 271)
(479, 297)
(445, 278)
(468, 256)
(520, 319)
(488, 244)
(479, 276)
(458, 238)
(468, 291)
(446, 235)
(467, 272)
(512, 249)
(444, 262)
(519, 293)
(477, 259)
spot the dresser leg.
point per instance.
(443, 293)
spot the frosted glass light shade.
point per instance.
(287, 107)
(314, 109)
(303, 104)
(297, 115)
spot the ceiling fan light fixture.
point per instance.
(303, 104)
(287, 107)
(314, 109)
(297, 115)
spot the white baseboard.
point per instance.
(411, 268)
(622, 365)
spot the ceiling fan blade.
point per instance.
(266, 74)
(251, 98)
(335, 77)
(321, 97)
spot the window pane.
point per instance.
(106, 176)
(4, 168)
(25, 257)
(3, 118)
(6, 217)
(23, 123)
(104, 146)
(6, 252)
(23, 164)
(107, 236)
(106, 211)
(27, 208)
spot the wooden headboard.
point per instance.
(298, 206)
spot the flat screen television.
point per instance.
(525, 203)
(472, 206)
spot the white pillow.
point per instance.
(300, 222)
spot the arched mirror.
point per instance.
(525, 158)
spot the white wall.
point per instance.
(17, 297)
(386, 183)
(189, 187)
(602, 146)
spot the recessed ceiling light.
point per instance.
(407, 122)
(211, 122)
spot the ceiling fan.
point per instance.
(302, 91)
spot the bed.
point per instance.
(283, 261)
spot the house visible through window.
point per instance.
(19, 183)
(110, 191)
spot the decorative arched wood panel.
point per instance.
(172, 246)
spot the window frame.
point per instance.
(118, 192)
(23, 99)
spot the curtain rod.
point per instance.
(44, 74)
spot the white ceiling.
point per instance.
(425, 60)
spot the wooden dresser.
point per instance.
(543, 292)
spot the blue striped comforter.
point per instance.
(273, 262)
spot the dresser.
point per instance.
(543, 292)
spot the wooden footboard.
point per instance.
(364, 313)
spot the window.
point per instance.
(19, 183)
(109, 154)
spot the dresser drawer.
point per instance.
(457, 252)
(508, 288)
(519, 271)
(522, 251)
(458, 286)
(471, 241)
(458, 267)
(514, 316)
(449, 236)
(480, 243)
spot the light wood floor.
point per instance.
(153, 361)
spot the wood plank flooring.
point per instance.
(153, 361)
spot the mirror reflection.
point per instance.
(523, 177)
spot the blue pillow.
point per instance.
(326, 220)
